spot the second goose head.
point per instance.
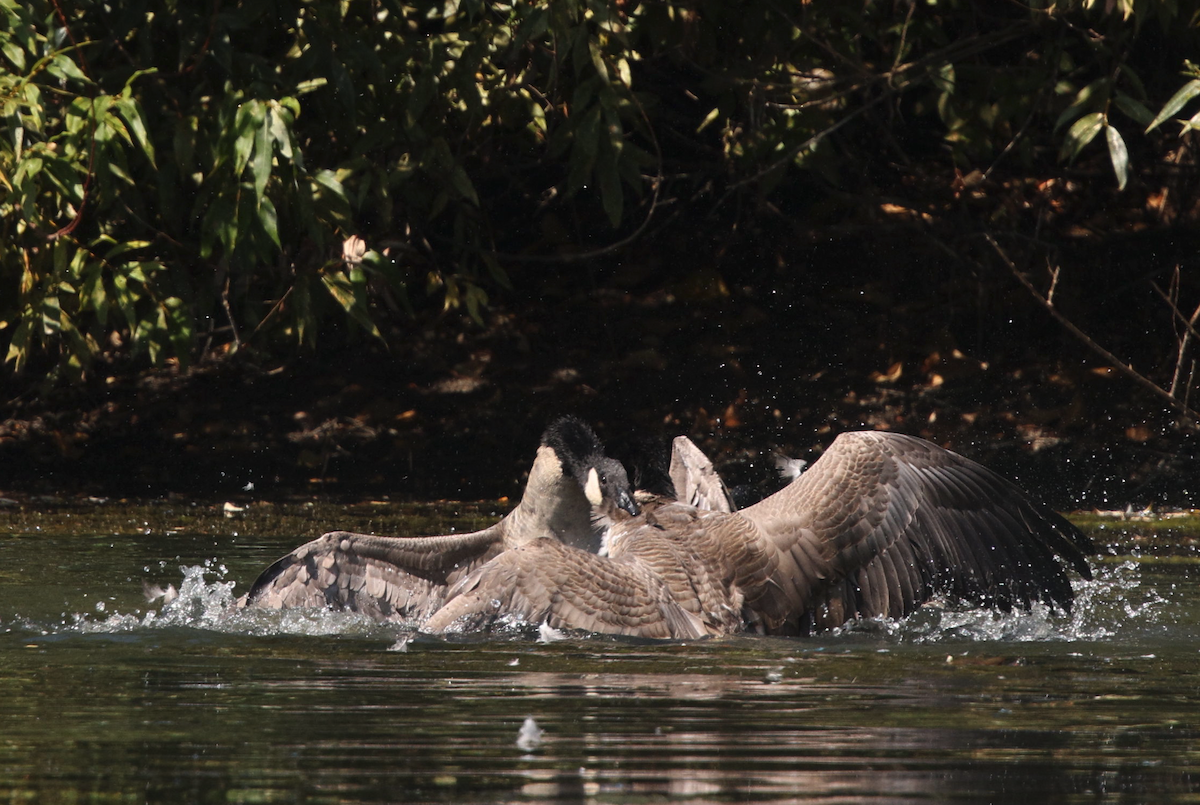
(571, 480)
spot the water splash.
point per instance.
(211, 605)
(1116, 602)
(1112, 603)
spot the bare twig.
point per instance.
(1053, 284)
(237, 342)
(1110, 358)
(1185, 340)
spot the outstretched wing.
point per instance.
(695, 479)
(546, 582)
(884, 522)
(386, 578)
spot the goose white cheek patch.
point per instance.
(592, 488)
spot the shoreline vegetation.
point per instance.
(352, 249)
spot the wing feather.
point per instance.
(386, 578)
(883, 522)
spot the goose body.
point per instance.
(405, 578)
(880, 525)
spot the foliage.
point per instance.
(179, 177)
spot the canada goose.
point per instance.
(404, 578)
(880, 525)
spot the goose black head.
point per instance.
(601, 478)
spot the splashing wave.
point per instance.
(212, 605)
(1114, 602)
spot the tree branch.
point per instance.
(1116, 362)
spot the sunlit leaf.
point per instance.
(310, 85)
(279, 121)
(131, 112)
(248, 121)
(51, 315)
(1185, 93)
(1087, 98)
(124, 248)
(63, 68)
(342, 289)
(1119, 155)
(1081, 133)
(18, 346)
(624, 73)
(13, 52)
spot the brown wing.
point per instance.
(695, 479)
(547, 582)
(883, 522)
(386, 578)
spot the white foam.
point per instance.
(1112, 603)
(210, 604)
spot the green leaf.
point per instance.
(125, 300)
(1119, 155)
(18, 347)
(610, 188)
(179, 328)
(462, 184)
(62, 68)
(1188, 91)
(262, 159)
(944, 79)
(1133, 108)
(51, 315)
(269, 220)
(280, 121)
(475, 299)
(1090, 96)
(123, 248)
(352, 299)
(249, 120)
(14, 53)
(300, 306)
(93, 294)
(1082, 132)
(131, 111)
(583, 154)
(597, 58)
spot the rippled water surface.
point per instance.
(104, 697)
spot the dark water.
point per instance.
(106, 698)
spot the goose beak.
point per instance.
(626, 502)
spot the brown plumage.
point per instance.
(405, 578)
(879, 526)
